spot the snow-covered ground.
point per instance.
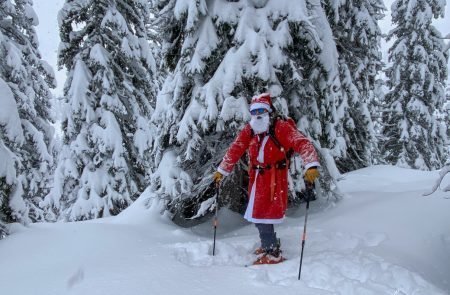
(382, 238)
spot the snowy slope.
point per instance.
(382, 238)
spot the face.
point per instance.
(260, 120)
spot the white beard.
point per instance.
(260, 123)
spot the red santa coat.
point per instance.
(268, 185)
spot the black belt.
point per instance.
(278, 165)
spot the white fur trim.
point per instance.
(251, 203)
(260, 105)
(265, 221)
(223, 172)
(249, 211)
(312, 164)
(260, 157)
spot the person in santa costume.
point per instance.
(268, 170)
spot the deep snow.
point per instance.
(383, 237)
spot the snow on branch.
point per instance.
(437, 185)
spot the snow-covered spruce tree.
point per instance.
(447, 112)
(313, 92)
(376, 107)
(3, 230)
(220, 54)
(25, 121)
(105, 159)
(357, 35)
(416, 79)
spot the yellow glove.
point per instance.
(311, 174)
(217, 177)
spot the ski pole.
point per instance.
(308, 193)
(215, 216)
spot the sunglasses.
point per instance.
(258, 111)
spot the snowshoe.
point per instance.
(259, 251)
(268, 259)
(272, 256)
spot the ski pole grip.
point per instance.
(309, 192)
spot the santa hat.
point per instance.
(261, 101)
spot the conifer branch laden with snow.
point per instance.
(355, 27)
(413, 136)
(220, 54)
(26, 134)
(444, 171)
(105, 161)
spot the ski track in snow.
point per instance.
(76, 278)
